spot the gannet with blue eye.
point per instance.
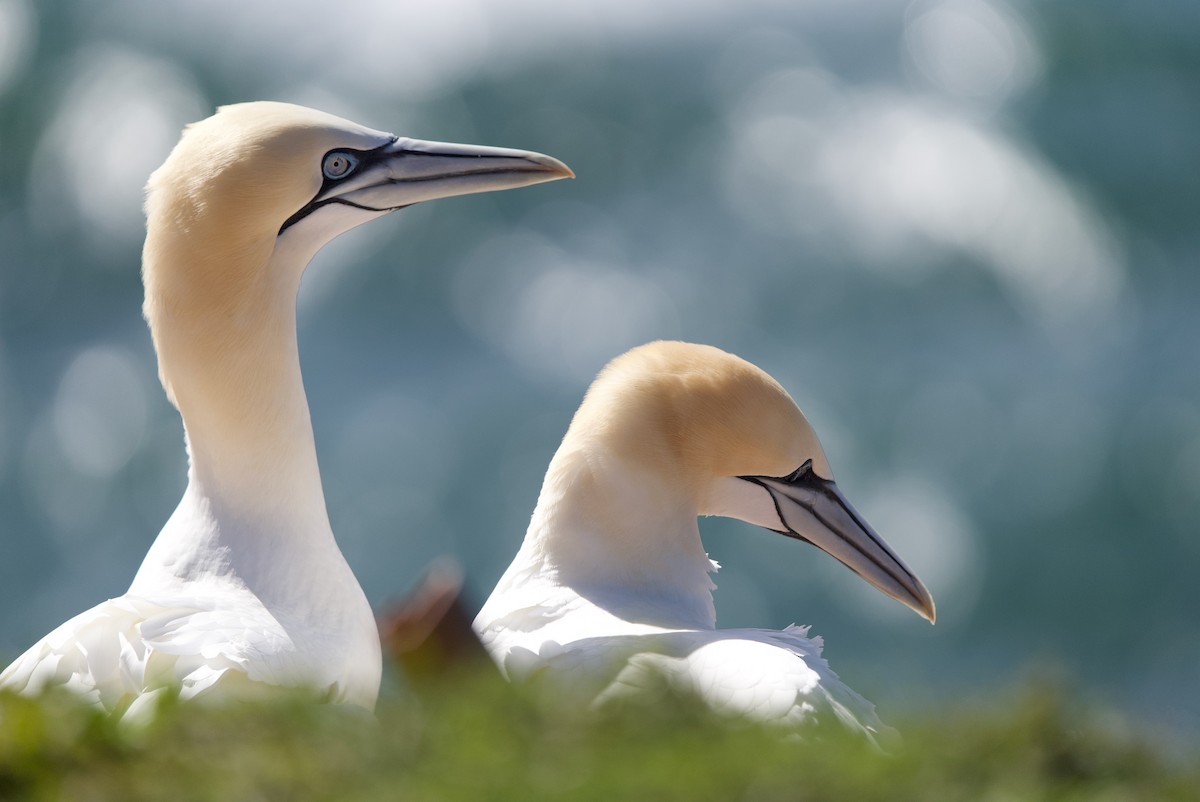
(245, 586)
(610, 591)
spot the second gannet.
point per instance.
(610, 591)
(245, 586)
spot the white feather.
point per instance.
(610, 594)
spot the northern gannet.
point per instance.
(610, 591)
(245, 585)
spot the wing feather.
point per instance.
(128, 648)
(771, 676)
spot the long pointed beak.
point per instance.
(814, 510)
(410, 171)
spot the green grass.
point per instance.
(471, 739)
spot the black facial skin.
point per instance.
(366, 158)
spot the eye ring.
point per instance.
(338, 164)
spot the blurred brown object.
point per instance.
(428, 633)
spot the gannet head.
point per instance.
(249, 195)
(256, 172)
(734, 439)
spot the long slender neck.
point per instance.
(229, 359)
(233, 366)
(250, 438)
(623, 537)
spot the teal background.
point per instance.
(961, 233)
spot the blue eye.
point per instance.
(338, 164)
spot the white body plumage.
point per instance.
(245, 586)
(611, 592)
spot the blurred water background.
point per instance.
(961, 232)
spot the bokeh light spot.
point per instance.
(971, 48)
(117, 121)
(18, 32)
(99, 412)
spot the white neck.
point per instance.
(622, 538)
(232, 365)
